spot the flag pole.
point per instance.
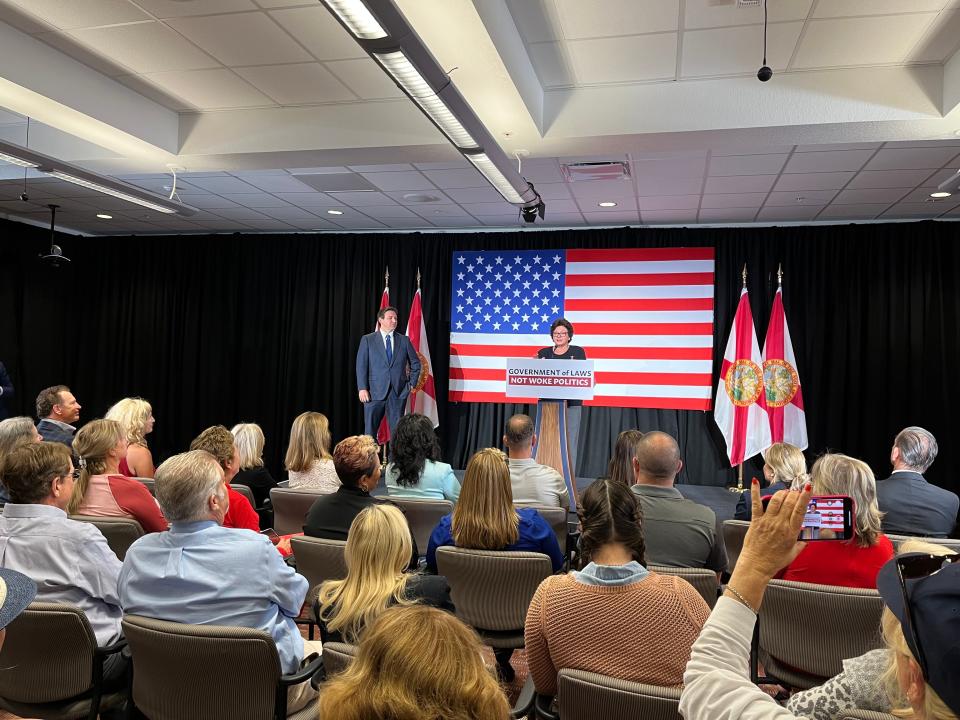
(779, 274)
(739, 487)
(418, 278)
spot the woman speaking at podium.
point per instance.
(561, 333)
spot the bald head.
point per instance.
(657, 460)
(519, 437)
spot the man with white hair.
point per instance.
(201, 573)
(912, 505)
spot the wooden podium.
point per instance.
(552, 443)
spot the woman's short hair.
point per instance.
(355, 457)
(92, 444)
(14, 432)
(185, 482)
(249, 439)
(624, 452)
(562, 322)
(132, 414)
(787, 463)
(218, 441)
(309, 441)
(416, 662)
(484, 517)
(377, 553)
(838, 474)
(413, 443)
(610, 512)
(28, 469)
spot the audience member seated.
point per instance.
(860, 685)
(358, 469)
(532, 483)
(415, 663)
(308, 462)
(621, 462)
(101, 490)
(204, 574)
(16, 592)
(136, 418)
(485, 518)
(70, 561)
(377, 553)
(853, 563)
(249, 439)
(911, 505)
(218, 441)
(416, 470)
(922, 622)
(58, 412)
(14, 432)
(784, 467)
(678, 532)
(570, 623)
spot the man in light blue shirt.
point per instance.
(203, 574)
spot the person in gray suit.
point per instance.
(387, 369)
(58, 412)
(912, 506)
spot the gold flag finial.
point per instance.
(386, 275)
(779, 274)
(744, 274)
(418, 278)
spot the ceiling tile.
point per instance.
(562, 220)
(387, 212)
(483, 209)
(242, 214)
(587, 206)
(542, 170)
(277, 183)
(799, 199)
(481, 195)
(602, 189)
(419, 199)
(868, 196)
(671, 202)
(612, 218)
(365, 78)
(940, 41)
(297, 84)
(358, 223)
(460, 178)
(222, 184)
(710, 13)
(852, 211)
(411, 180)
(553, 191)
(740, 184)
(359, 199)
(447, 165)
(146, 47)
(834, 147)
(408, 223)
(912, 158)
(722, 215)
(462, 222)
(797, 214)
(82, 13)
(208, 201)
(745, 200)
(552, 64)
(82, 52)
(289, 213)
(840, 160)
(888, 178)
(537, 20)
(309, 199)
(210, 89)
(179, 8)
(608, 18)
(941, 176)
(435, 212)
(647, 186)
(813, 181)
(860, 41)
(923, 195)
(142, 85)
(918, 210)
(733, 51)
(849, 8)
(670, 217)
(624, 59)
(394, 167)
(319, 32)
(660, 168)
(751, 150)
(256, 200)
(242, 39)
(746, 165)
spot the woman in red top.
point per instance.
(136, 418)
(852, 563)
(101, 490)
(218, 441)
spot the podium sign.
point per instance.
(550, 379)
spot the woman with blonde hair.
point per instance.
(848, 563)
(249, 441)
(136, 418)
(377, 553)
(784, 467)
(415, 663)
(102, 491)
(308, 462)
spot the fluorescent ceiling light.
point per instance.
(356, 16)
(334, 212)
(17, 161)
(940, 194)
(110, 191)
(607, 203)
(104, 216)
(412, 82)
(495, 177)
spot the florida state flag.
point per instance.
(784, 400)
(739, 410)
(423, 399)
(383, 432)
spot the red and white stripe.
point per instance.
(788, 423)
(644, 316)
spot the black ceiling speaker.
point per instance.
(764, 73)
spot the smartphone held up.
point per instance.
(828, 517)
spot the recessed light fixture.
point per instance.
(104, 216)
(607, 203)
(334, 212)
(940, 194)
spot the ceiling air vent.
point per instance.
(584, 171)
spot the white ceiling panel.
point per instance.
(563, 219)
(709, 13)
(210, 89)
(602, 189)
(70, 14)
(542, 170)
(888, 178)
(848, 8)
(298, 84)
(820, 162)
(477, 195)
(364, 78)
(309, 199)
(860, 41)
(834, 147)
(436, 212)
(289, 213)
(358, 223)
(746, 165)
(647, 186)
(940, 41)
(916, 158)
(179, 8)
(733, 50)
(417, 199)
(624, 59)
(389, 167)
(387, 212)
(612, 218)
(207, 202)
(610, 18)
(623, 204)
(277, 183)
(909, 210)
(553, 191)
(740, 184)
(257, 200)
(222, 185)
(869, 195)
(398, 181)
(146, 47)
(852, 211)
(672, 202)
(814, 181)
(537, 20)
(459, 178)
(552, 64)
(753, 149)
(479, 210)
(242, 39)
(800, 198)
(722, 215)
(661, 168)
(359, 199)
(316, 29)
(743, 200)
(922, 195)
(243, 214)
(669, 217)
(789, 214)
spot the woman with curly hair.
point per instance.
(415, 663)
(136, 418)
(416, 470)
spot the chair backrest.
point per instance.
(733, 533)
(337, 656)
(864, 715)
(840, 623)
(898, 540)
(422, 516)
(556, 517)
(704, 581)
(319, 559)
(150, 483)
(201, 671)
(585, 695)
(246, 492)
(44, 638)
(120, 532)
(491, 590)
(290, 509)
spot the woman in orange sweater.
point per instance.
(613, 617)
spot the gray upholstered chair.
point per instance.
(319, 559)
(556, 518)
(863, 715)
(422, 516)
(950, 543)
(120, 532)
(179, 672)
(733, 533)
(704, 581)
(52, 667)
(336, 656)
(290, 508)
(839, 623)
(583, 695)
(247, 493)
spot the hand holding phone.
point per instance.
(272, 534)
(828, 517)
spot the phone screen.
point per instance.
(272, 534)
(828, 517)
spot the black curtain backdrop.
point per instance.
(229, 328)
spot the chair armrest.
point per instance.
(524, 704)
(544, 707)
(315, 665)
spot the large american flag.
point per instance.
(643, 315)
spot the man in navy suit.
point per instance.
(387, 368)
(58, 412)
(6, 392)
